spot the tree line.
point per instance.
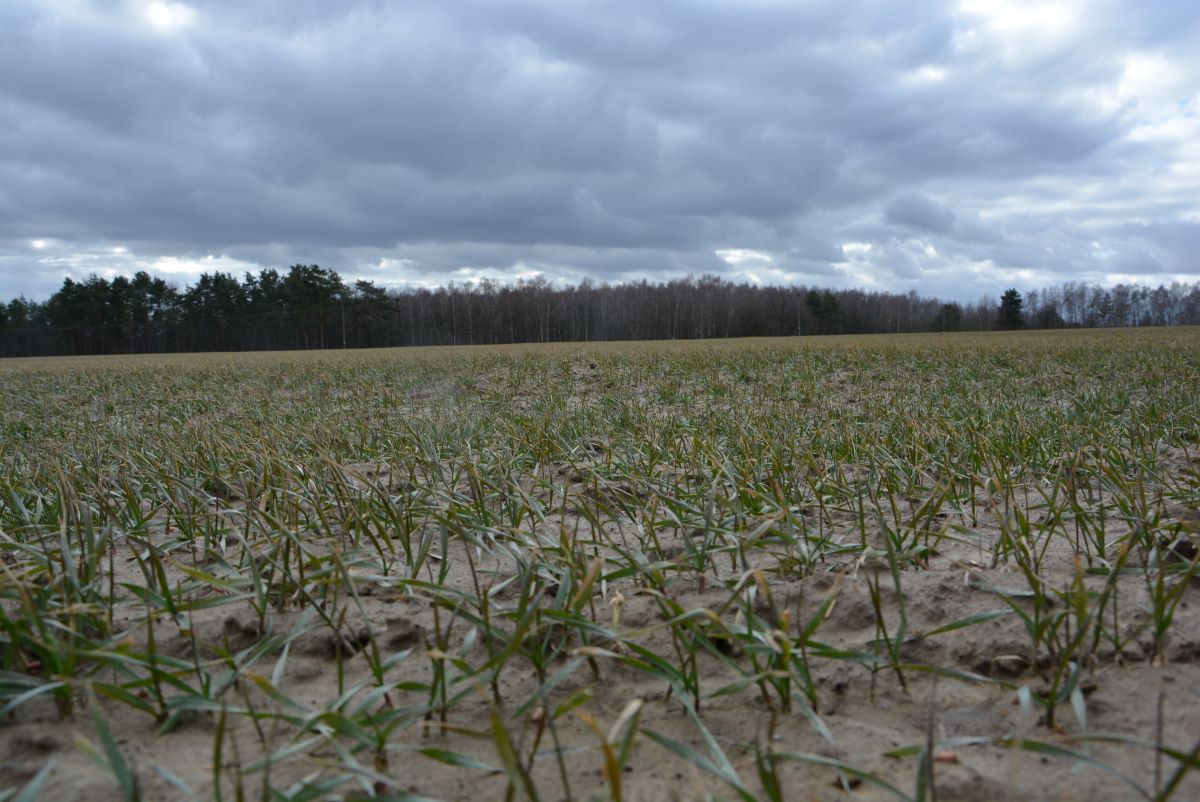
(312, 307)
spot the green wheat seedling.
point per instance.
(109, 757)
(616, 744)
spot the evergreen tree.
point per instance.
(1011, 317)
(824, 307)
(948, 318)
(1048, 318)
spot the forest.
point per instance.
(310, 307)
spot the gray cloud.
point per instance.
(422, 142)
(920, 213)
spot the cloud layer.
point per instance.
(954, 148)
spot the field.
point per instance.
(960, 567)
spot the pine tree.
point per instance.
(1011, 317)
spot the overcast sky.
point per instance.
(955, 148)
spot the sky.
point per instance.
(952, 148)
